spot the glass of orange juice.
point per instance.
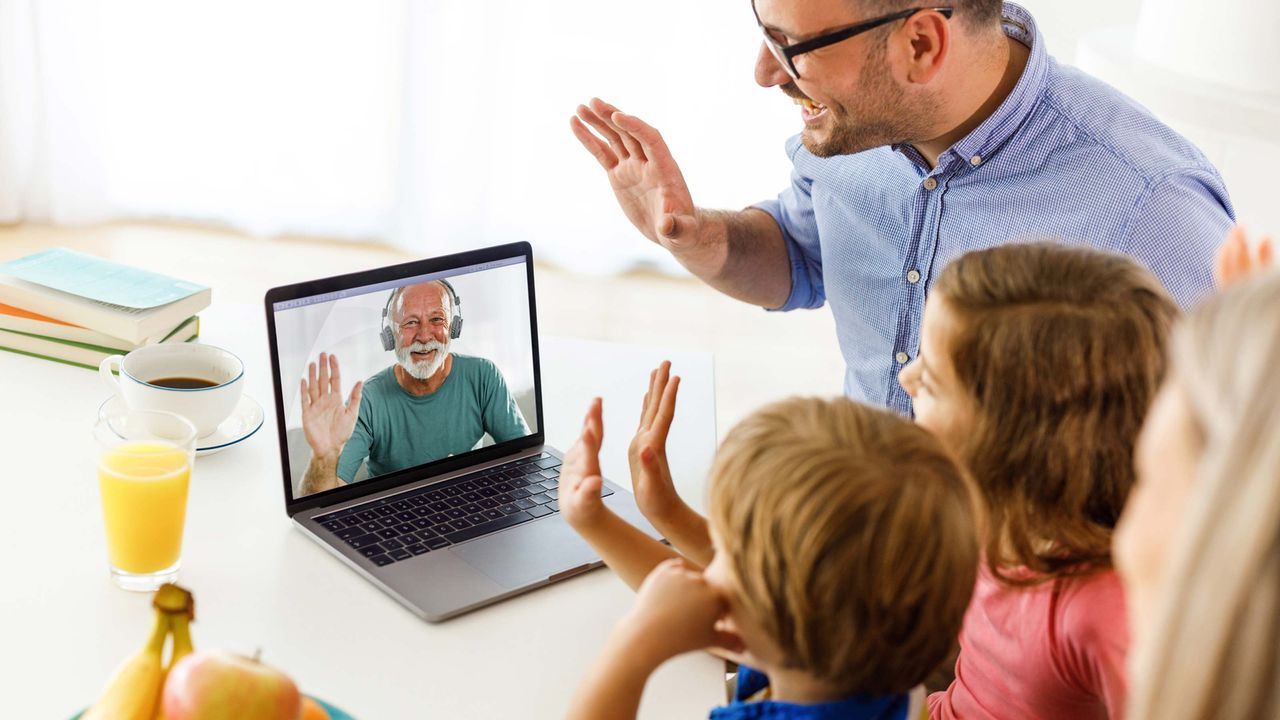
(144, 468)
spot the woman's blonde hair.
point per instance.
(1062, 349)
(1214, 647)
(851, 535)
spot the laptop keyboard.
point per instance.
(418, 521)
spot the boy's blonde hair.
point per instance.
(851, 534)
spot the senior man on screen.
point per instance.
(432, 403)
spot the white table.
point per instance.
(261, 584)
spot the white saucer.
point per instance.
(243, 422)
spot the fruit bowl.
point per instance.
(334, 713)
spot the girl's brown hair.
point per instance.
(1062, 348)
(852, 539)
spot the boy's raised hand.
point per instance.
(1236, 261)
(580, 476)
(647, 456)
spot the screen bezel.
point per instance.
(393, 273)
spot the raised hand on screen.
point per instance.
(580, 476)
(647, 455)
(326, 420)
(646, 180)
(1236, 260)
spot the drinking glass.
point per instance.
(144, 469)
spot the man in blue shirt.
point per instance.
(928, 132)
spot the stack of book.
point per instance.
(75, 308)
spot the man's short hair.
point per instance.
(852, 537)
(975, 13)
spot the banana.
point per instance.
(134, 691)
(180, 606)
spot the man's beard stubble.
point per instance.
(883, 115)
(423, 370)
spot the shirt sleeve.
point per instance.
(357, 447)
(1177, 229)
(502, 417)
(792, 209)
(1093, 639)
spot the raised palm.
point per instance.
(644, 176)
(327, 421)
(647, 455)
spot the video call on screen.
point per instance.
(445, 363)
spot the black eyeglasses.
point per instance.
(786, 54)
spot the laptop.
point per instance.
(436, 485)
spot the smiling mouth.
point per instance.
(423, 354)
(809, 109)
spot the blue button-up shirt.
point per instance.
(1064, 157)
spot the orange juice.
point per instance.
(144, 504)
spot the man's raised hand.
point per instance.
(647, 182)
(326, 421)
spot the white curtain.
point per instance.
(433, 124)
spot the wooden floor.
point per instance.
(759, 356)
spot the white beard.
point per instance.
(424, 369)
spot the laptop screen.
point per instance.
(391, 378)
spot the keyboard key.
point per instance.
(367, 515)
(391, 544)
(387, 534)
(437, 518)
(547, 462)
(459, 524)
(519, 493)
(384, 511)
(488, 503)
(351, 532)
(524, 504)
(417, 549)
(549, 475)
(363, 540)
(381, 560)
(436, 543)
(485, 528)
(401, 554)
(418, 500)
(489, 491)
(401, 505)
(538, 511)
(551, 484)
(471, 496)
(455, 514)
(554, 505)
(468, 486)
(457, 502)
(504, 498)
(371, 550)
(406, 516)
(541, 498)
(422, 523)
(509, 509)
(452, 491)
(475, 519)
(471, 508)
(485, 481)
(495, 514)
(554, 494)
(404, 528)
(371, 526)
(436, 495)
(407, 539)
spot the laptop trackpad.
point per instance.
(528, 553)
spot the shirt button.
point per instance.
(913, 276)
(901, 357)
(930, 183)
(976, 160)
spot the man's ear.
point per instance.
(923, 42)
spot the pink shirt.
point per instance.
(1050, 652)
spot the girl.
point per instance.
(1036, 366)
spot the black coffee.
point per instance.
(184, 383)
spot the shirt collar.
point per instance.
(985, 139)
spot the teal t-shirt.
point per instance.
(396, 430)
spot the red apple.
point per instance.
(220, 686)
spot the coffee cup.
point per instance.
(200, 382)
